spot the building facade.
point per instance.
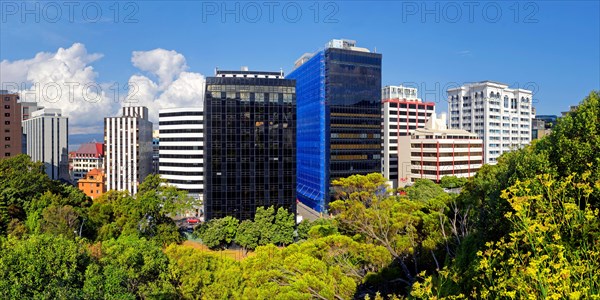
(10, 119)
(436, 151)
(47, 137)
(250, 137)
(155, 151)
(402, 112)
(542, 126)
(339, 118)
(89, 156)
(93, 183)
(128, 149)
(181, 160)
(499, 115)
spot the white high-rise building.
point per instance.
(402, 112)
(128, 149)
(181, 151)
(499, 115)
(47, 137)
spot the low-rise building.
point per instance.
(542, 126)
(89, 156)
(92, 184)
(436, 151)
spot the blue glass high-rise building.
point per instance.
(338, 96)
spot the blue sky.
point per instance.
(552, 47)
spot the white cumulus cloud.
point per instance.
(67, 80)
(175, 86)
(165, 64)
(64, 79)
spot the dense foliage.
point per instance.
(535, 226)
(528, 227)
(268, 227)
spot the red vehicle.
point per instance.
(193, 221)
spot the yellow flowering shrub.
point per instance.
(553, 251)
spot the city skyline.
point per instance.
(427, 46)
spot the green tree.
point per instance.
(128, 268)
(199, 275)
(61, 210)
(21, 180)
(264, 221)
(410, 229)
(218, 233)
(360, 186)
(247, 235)
(291, 274)
(284, 227)
(148, 214)
(322, 228)
(450, 182)
(42, 267)
(423, 189)
(303, 228)
(574, 145)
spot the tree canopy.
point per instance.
(527, 227)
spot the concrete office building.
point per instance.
(155, 151)
(435, 151)
(89, 156)
(128, 149)
(93, 183)
(402, 112)
(339, 118)
(181, 152)
(11, 142)
(542, 126)
(47, 138)
(499, 115)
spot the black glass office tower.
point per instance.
(339, 118)
(250, 143)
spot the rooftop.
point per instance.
(94, 172)
(49, 112)
(90, 149)
(225, 72)
(345, 44)
(436, 125)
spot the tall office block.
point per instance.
(497, 114)
(155, 151)
(181, 148)
(403, 112)
(250, 140)
(128, 149)
(46, 133)
(10, 122)
(339, 118)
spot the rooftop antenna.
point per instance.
(216, 69)
(281, 72)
